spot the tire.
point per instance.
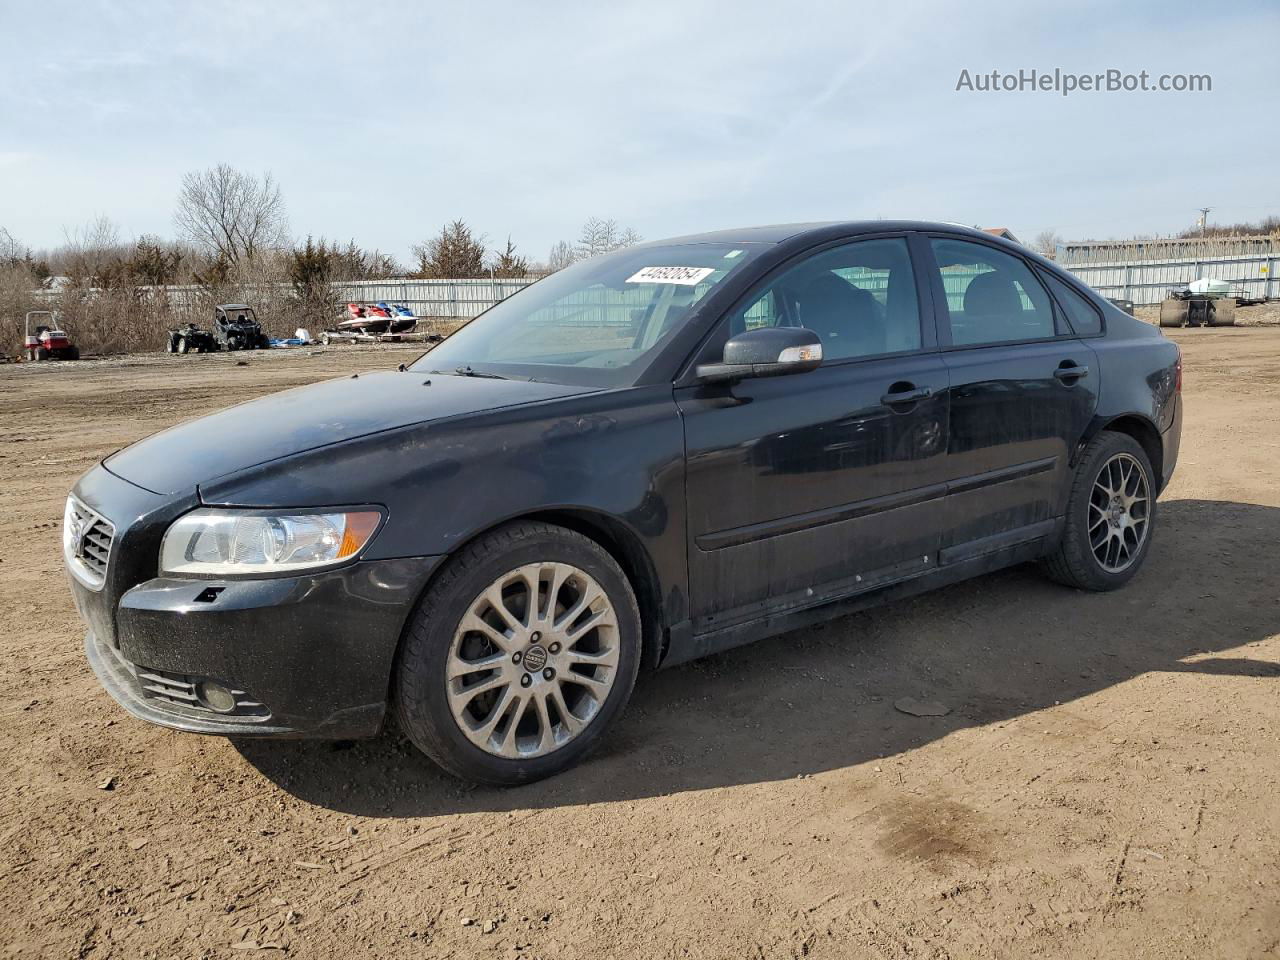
(182, 346)
(1077, 562)
(425, 699)
(73, 353)
(169, 345)
(42, 353)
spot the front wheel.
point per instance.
(1110, 515)
(520, 656)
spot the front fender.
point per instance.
(618, 453)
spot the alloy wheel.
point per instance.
(532, 660)
(1119, 510)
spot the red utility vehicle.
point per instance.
(47, 342)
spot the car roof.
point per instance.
(778, 232)
(234, 306)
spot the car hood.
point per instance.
(294, 421)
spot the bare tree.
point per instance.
(90, 252)
(597, 236)
(1046, 243)
(231, 214)
(11, 251)
(20, 275)
(1267, 226)
(562, 254)
(603, 236)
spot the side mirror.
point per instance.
(766, 352)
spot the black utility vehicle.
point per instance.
(235, 327)
(644, 458)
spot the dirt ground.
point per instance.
(1105, 783)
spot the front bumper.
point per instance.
(128, 685)
(307, 656)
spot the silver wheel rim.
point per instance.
(533, 660)
(1119, 513)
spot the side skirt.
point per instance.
(958, 563)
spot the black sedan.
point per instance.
(647, 457)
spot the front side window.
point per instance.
(859, 298)
(991, 296)
(596, 323)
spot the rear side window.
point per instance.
(1081, 314)
(991, 296)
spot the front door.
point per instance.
(808, 487)
(1023, 390)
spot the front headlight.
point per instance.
(254, 542)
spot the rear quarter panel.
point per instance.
(1137, 373)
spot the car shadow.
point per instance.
(992, 649)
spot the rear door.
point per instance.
(1022, 391)
(809, 486)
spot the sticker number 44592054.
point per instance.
(685, 276)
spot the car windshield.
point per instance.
(598, 322)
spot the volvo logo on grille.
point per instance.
(77, 525)
(535, 658)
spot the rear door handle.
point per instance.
(1069, 373)
(909, 395)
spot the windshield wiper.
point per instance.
(469, 372)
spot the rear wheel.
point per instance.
(520, 656)
(182, 346)
(1109, 519)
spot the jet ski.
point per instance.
(380, 317)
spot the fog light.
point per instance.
(215, 696)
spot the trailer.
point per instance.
(352, 337)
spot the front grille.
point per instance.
(88, 543)
(180, 689)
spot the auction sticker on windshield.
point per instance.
(685, 276)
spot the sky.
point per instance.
(382, 120)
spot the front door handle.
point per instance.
(1068, 372)
(901, 393)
